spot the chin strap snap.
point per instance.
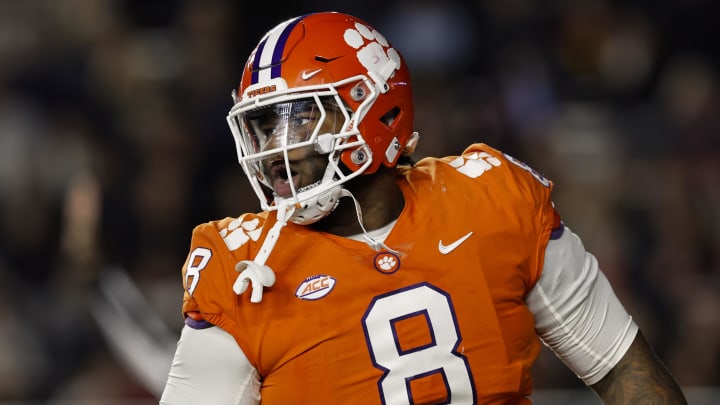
(254, 272)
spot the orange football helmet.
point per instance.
(301, 70)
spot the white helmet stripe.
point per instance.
(266, 64)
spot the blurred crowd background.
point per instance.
(113, 145)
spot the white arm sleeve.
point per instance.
(209, 368)
(576, 311)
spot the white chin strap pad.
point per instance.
(255, 273)
(318, 207)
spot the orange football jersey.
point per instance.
(440, 320)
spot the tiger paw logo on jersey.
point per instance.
(315, 287)
(239, 232)
(386, 262)
(475, 164)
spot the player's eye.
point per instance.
(303, 119)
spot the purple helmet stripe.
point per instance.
(280, 47)
(270, 51)
(256, 62)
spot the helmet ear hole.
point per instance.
(389, 117)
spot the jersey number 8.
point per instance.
(436, 359)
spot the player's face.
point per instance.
(286, 124)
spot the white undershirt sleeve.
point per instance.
(577, 314)
(209, 368)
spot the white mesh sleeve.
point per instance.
(210, 368)
(577, 314)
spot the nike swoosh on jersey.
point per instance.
(445, 249)
(307, 75)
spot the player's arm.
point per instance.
(210, 368)
(638, 377)
(579, 317)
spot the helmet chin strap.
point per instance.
(254, 272)
(374, 244)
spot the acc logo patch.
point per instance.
(315, 287)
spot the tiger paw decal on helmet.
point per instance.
(377, 56)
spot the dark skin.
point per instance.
(638, 378)
(380, 198)
(379, 195)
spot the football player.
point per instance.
(370, 279)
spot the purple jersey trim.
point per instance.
(201, 324)
(556, 233)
